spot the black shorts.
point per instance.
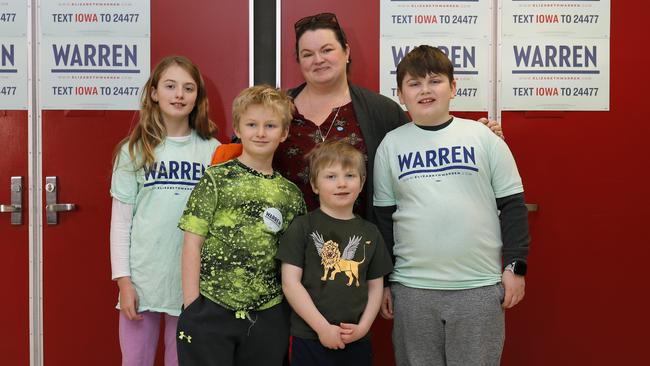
(209, 334)
(310, 352)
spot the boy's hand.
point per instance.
(188, 301)
(128, 299)
(514, 286)
(352, 332)
(330, 337)
(387, 304)
(494, 126)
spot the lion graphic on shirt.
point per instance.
(332, 259)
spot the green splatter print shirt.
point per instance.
(241, 213)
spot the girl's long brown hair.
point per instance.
(150, 130)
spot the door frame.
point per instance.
(35, 196)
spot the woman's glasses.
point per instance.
(318, 18)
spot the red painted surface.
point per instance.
(80, 322)
(14, 337)
(588, 171)
(213, 34)
(79, 319)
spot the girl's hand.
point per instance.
(330, 337)
(128, 298)
(352, 332)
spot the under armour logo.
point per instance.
(182, 335)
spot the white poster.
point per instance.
(555, 74)
(13, 55)
(465, 18)
(554, 55)
(13, 73)
(461, 29)
(95, 18)
(93, 73)
(470, 58)
(94, 54)
(13, 18)
(573, 18)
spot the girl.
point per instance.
(154, 171)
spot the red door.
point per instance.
(79, 318)
(14, 239)
(587, 171)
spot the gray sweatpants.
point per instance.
(448, 327)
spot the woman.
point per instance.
(329, 106)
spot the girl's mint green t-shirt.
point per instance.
(158, 194)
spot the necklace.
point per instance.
(338, 109)
(320, 133)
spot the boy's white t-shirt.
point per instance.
(158, 197)
(445, 184)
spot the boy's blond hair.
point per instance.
(264, 95)
(335, 151)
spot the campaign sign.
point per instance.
(93, 73)
(95, 18)
(555, 74)
(460, 18)
(13, 73)
(571, 18)
(13, 18)
(470, 58)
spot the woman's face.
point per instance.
(322, 59)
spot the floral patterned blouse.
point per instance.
(304, 135)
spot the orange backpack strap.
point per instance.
(225, 152)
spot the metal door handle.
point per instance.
(51, 206)
(15, 208)
(10, 208)
(58, 207)
(532, 207)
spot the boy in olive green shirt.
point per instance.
(234, 313)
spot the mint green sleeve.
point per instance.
(200, 207)
(505, 178)
(384, 194)
(124, 182)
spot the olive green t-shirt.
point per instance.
(338, 257)
(241, 213)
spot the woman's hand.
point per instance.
(494, 126)
(128, 298)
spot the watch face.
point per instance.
(520, 268)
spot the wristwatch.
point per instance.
(517, 267)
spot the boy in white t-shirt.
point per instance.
(449, 202)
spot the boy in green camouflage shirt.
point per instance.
(234, 312)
